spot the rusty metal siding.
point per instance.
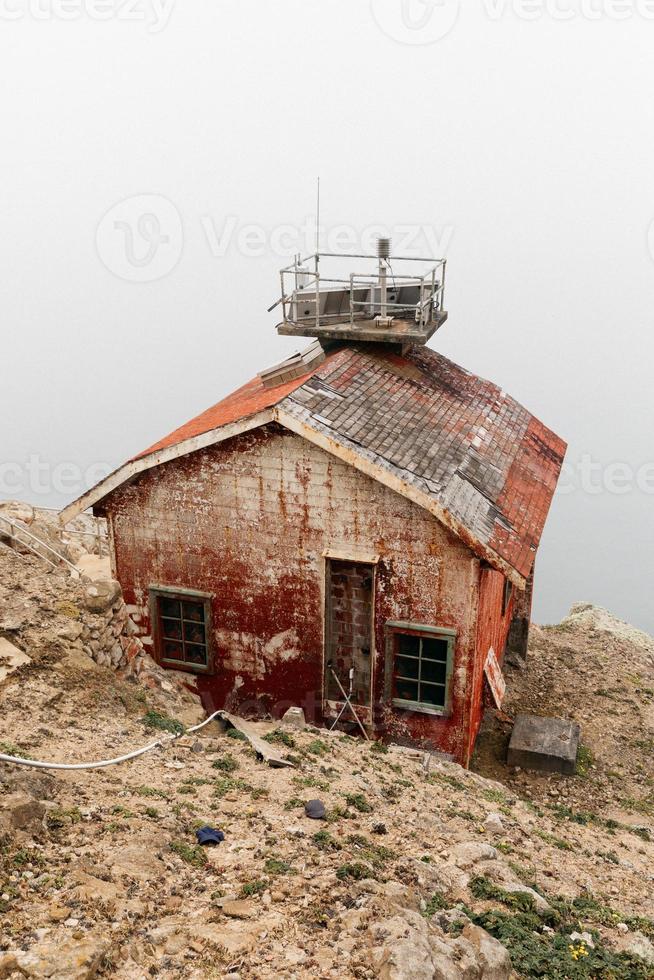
(492, 631)
(249, 521)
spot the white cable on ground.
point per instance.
(160, 743)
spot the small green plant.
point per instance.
(358, 802)
(60, 817)
(310, 782)
(274, 866)
(152, 812)
(226, 763)
(318, 747)
(379, 748)
(354, 870)
(281, 737)
(294, 803)
(151, 791)
(325, 842)
(585, 760)
(189, 853)
(562, 845)
(163, 723)
(229, 784)
(437, 903)
(482, 887)
(253, 888)
(236, 735)
(8, 748)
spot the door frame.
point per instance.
(353, 558)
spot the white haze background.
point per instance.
(524, 144)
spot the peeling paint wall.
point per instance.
(249, 521)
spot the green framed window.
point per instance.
(419, 661)
(181, 620)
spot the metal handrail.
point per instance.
(16, 529)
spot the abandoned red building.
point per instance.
(367, 505)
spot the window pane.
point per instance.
(433, 671)
(196, 654)
(406, 667)
(194, 632)
(432, 694)
(406, 690)
(169, 607)
(409, 645)
(173, 651)
(434, 650)
(171, 628)
(194, 611)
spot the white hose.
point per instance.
(160, 743)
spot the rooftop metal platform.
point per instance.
(378, 305)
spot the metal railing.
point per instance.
(360, 296)
(17, 534)
(98, 529)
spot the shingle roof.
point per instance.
(475, 456)
(456, 437)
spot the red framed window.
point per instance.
(182, 629)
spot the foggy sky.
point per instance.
(522, 146)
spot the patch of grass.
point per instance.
(482, 887)
(325, 842)
(437, 903)
(354, 870)
(162, 723)
(281, 738)
(562, 845)
(294, 803)
(236, 735)
(310, 782)
(152, 812)
(442, 777)
(8, 748)
(229, 784)
(60, 817)
(317, 747)
(358, 802)
(374, 854)
(189, 853)
(226, 763)
(585, 759)
(253, 887)
(151, 791)
(379, 748)
(496, 796)
(274, 866)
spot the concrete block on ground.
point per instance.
(547, 744)
(294, 718)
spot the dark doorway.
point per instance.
(349, 591)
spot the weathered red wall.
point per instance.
(249, 521)
(492, 631)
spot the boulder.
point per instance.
(294, 718)
(57, 958)
(490, 954)
(101, 595)
(15, 510)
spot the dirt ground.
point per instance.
(101, 875)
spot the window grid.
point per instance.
(421, 670)
(182, 622)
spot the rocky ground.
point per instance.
(418, 871)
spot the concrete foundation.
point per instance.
(546, 744)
